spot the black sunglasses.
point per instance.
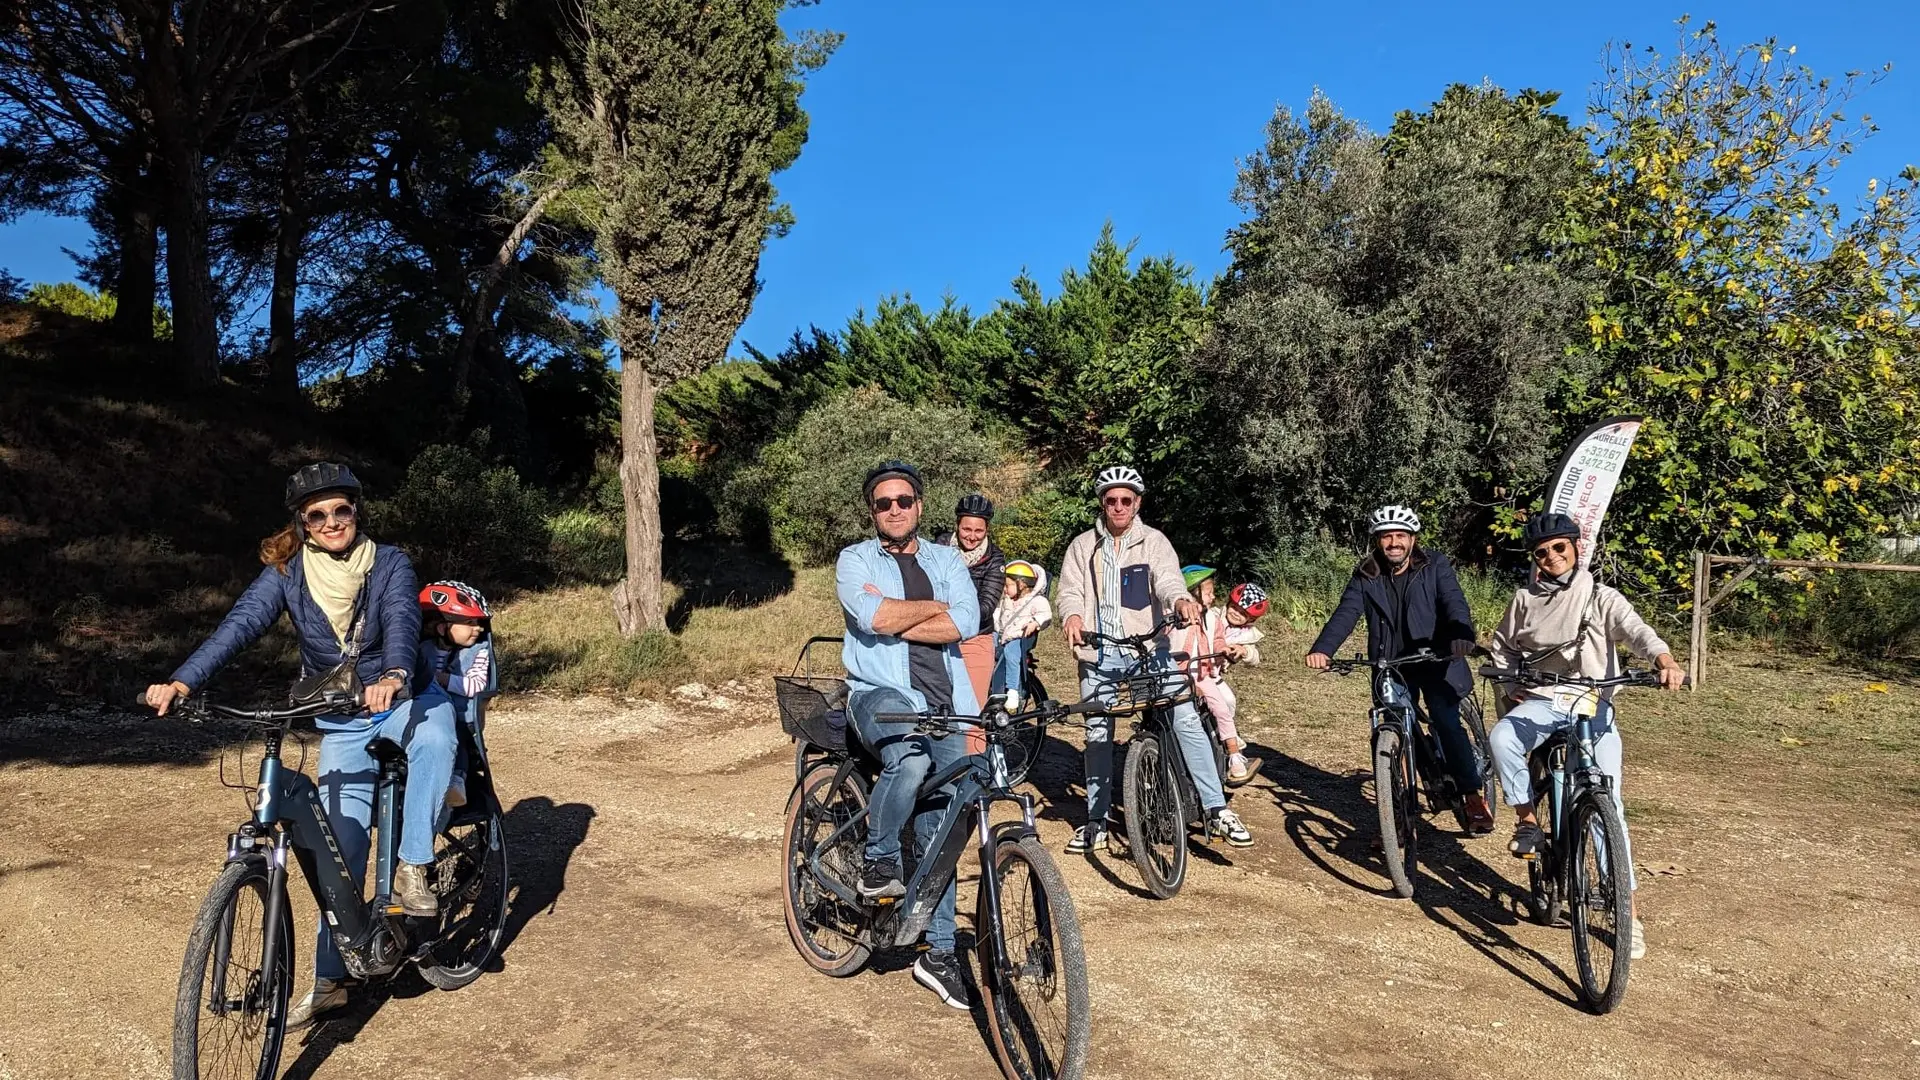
(317, 518)
(905, 502)
(1558, 547)
(1118, 500)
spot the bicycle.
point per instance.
(1410, 765)
(1032, 963)
(234, 985)
(1576, 871)
(1161, 799)
(1021, 747)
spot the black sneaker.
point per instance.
(940, 973)
(880, 879)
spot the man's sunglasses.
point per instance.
(1118, 500)
(342, 514)
(1558, 547)
(905, 502)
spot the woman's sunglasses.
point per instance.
(318, 518)
(1558, 547)
(904, 502)
(1121, 501)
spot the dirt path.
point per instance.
(648, 941)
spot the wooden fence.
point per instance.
(1705, 600)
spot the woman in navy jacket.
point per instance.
(337, 586)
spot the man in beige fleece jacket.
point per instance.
(1579, 623)
(1120, 578)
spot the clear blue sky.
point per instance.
(954, 144)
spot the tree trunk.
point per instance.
(642, 599)
(196, 335)
(486, 296)
(136, 232)
(283, 361)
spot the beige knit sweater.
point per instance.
(1540, 618)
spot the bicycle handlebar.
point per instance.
(1528, 676)
(940, 725)
(1357, 663)
(199, 708)
(1137, 642)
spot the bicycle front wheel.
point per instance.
(1022, 750)
(1037, 1006)
(230, 1016)
(470, 877)
(1156, 820)
(1393, 796)
(1600, 902)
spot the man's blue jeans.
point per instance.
(347, 775)
(906, 760)
(1098, 683)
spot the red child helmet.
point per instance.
(1249, 599)
(456, 600)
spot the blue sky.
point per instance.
(955, 144)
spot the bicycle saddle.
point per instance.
(385, 750)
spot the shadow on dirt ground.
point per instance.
(542, 837)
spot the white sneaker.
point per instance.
(1638, 950)
(1013, 701)
(1227, 824)
(326, 996)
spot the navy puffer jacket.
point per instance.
(390, 640)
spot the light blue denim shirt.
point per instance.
(879, 661)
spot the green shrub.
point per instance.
(84, 303)
(1039, 526)
(586, 546)
(808, 483)
(459, 516)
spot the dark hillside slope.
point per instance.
(129, 515)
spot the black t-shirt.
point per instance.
(926, 664)
(1397, 585)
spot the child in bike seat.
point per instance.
(456, 652)
(1225, 630)
(1022, 614)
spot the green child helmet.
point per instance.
(1196, 573)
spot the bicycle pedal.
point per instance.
(885, 901)
(396, 909)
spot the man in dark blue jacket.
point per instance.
(1412, 601)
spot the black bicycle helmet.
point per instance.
(894, 469)
(318, 479)
(974, 505)
(1549, 526)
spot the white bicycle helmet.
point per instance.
(1118, 476)
(1395, 518)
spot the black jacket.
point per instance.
(1437, 614)
(989, 577)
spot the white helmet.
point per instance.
(1395, 518)
(1118, 476)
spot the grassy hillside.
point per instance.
(129, 514)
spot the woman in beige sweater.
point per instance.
(1579, 623)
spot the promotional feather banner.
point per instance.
(1584, 483)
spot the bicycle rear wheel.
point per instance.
(1600, 902)
(230, 1016)
(1393, 796)
(1156, 818)
(470, 877)
(1037, 1008)
(829, 933)
(1476, 726)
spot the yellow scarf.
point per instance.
(334, 581)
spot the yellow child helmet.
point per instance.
(1021, 568)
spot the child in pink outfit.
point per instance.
(1224, 635)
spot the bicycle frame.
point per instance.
(1576, 775)
(290, 814)
(979, 782)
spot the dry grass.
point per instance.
(566, 639)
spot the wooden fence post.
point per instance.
(1697, 647)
